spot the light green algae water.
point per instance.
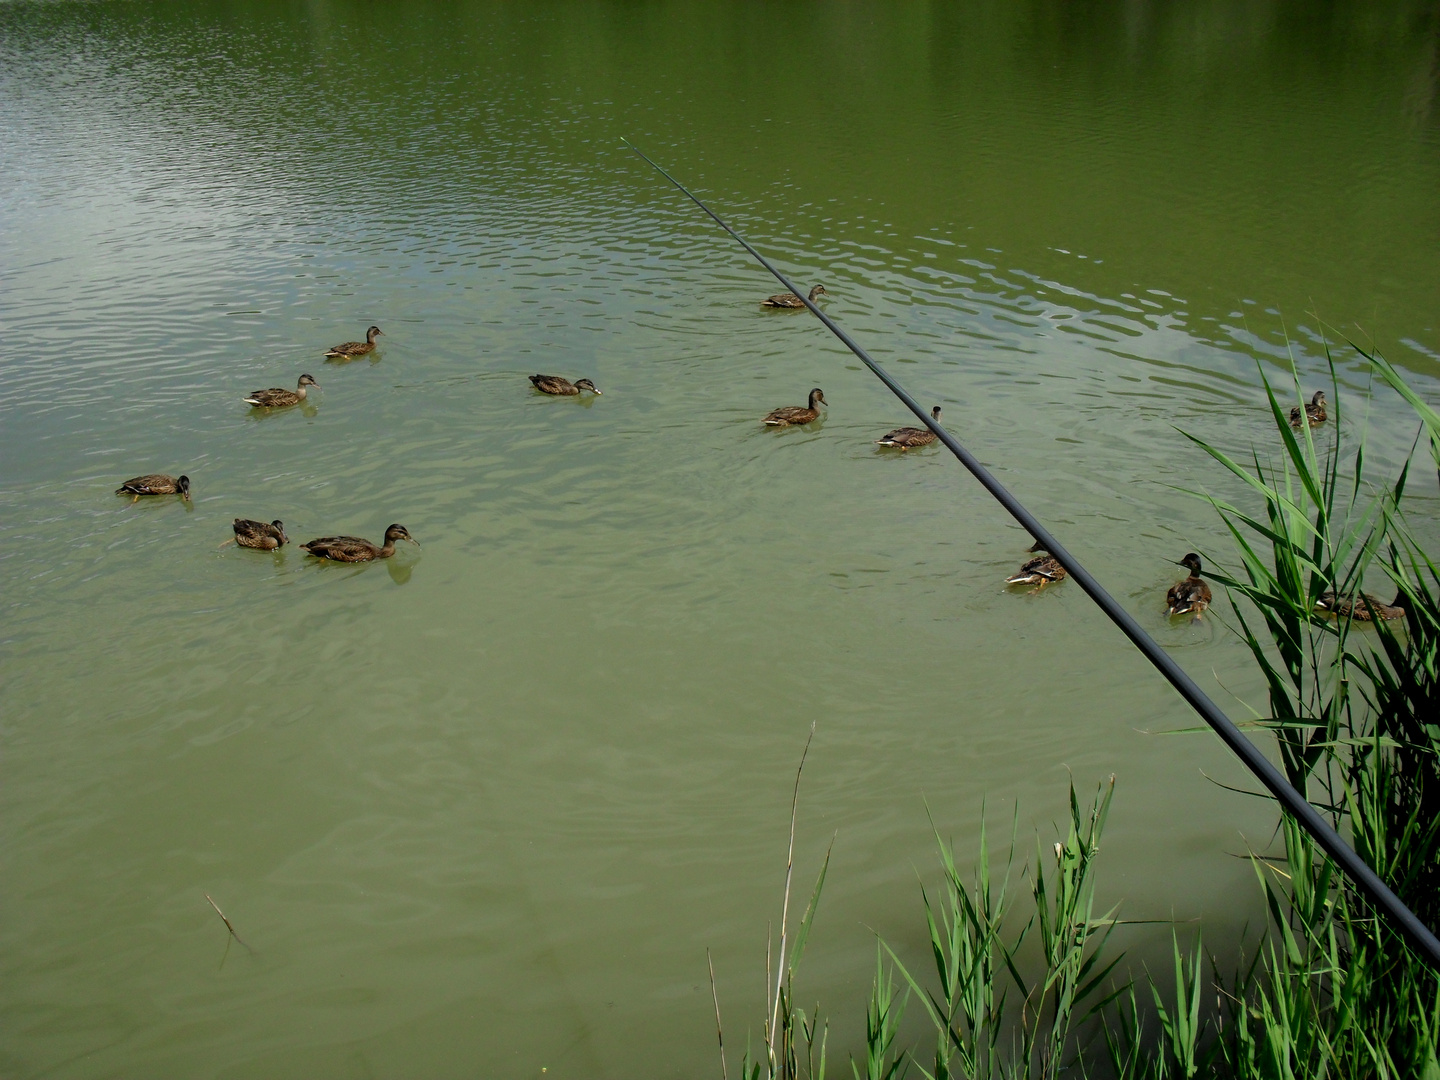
(480, 810)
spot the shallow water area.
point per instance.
(482, 807)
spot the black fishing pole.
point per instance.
(1308, 817)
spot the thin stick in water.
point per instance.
(216, 906)
(719, 1031)
(780, 968)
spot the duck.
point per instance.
(1314, 412)
(355, 549)
(155, 484)
(260, 535)
(790, 300)
(788, 415)
(906, 437)
(1190, 596)
(278, 398)
(1367, 609)
(357, 348)
(1039, 571)
(554, 384)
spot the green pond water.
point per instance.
(480, 810)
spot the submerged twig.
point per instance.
(226, 921)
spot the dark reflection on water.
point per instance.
(512, 804)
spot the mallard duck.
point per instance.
(554, 384)
(354, 549)
(260, 535)
(906, 437)
(1363, 610)
(278, 398)
(790, 300)
(1039, 571)
(357, 348)
(155, 484)
(788, 415)
(1192, 595)
(1314, 412)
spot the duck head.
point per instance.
(817, 395)
(818, 290)
(183, 487)
(586, 384)
(279, 527)
(373, 333)
(307, 380)
(1319, 398)
(399, 532)
(1191, 562)
(935, 414)
(1037, 546)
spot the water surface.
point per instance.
(481, 810)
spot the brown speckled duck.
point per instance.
(260, 535)
(1192, 595)
(1039, 571)
(1353, 607)
(554, 384)
(1314, 412)
(355, 549)
(356, 348)
(795, 415)
(278, 398)
(155, 484)
(906, 437)
(790, 300)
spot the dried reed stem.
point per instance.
(719, 1031)
(780, 968)
(229, 927)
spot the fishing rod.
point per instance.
(1258, 764)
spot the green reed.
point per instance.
(1356, 718)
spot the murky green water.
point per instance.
(481, 810)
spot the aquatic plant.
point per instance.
(1338, 991)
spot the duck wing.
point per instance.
(907, 436)
(1190, 595)
(553, 384)
(1041, 569)
(790, 414)
(272, 398)
(784, 299)
(342, 548)
(350, 348)
(150, 484)
(257, 534)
